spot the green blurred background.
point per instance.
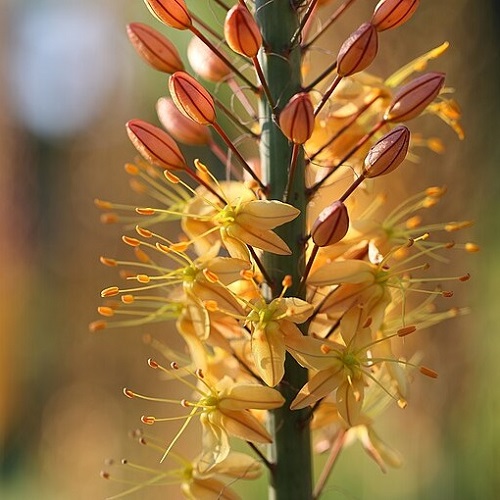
(68, 82)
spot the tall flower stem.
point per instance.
(280, 61)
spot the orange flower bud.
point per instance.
(173, 13)
(191, 98)
(155, 145)
(331, 225)
(358, 51)
(390, 14)
(178, 126)
(388, 153)
(242, 32)
(297, 118)
(414, 97)
(205, 61)
(154, 48)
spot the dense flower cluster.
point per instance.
(361, 268)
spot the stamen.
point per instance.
(428, 372)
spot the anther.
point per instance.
(211, 305)
(428, 372)
(104, 474)
(131, 169)
(128, 393)
(246, 274)
(465, 277)
(110, 291)
(368, 322)
(210, 276)
(403, 332)
(472, 247)
(199, 373)
(124, 461)
(109, 218)
(104, 205)
(287, 281)
(402, 403)
(145, 211)
(174, 365)
(133, 242)
(141, 255)
(127, 299)
(147, 420)
(447, 293)
(145, 233)
(152, 363)
(107, 262)
(325, 349)
(171, 177)
(97, 325)
(105, 311)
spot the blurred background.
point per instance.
(69, 80)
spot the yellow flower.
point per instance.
(273, 327)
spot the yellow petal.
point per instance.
(239, 465)
(322, 384)
(349, 400)
(227, 269)
(268, 351)
(208, 489)
(347, 271)
(251, 396)
(266, 214)
(215, 444)
(241, 424)
(418, 64)
(264, 239)
(297, 310)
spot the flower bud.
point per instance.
(178, 126)
(154, 48)
(155, 145)
(388, 153)
(205, 61)
(331, 225)
(390, 14)
(191, 98)
(242, 32)
(414, 97)
(358, 51)
(297, 118)
(173, 13)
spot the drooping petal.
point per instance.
(207, 488)
(297, 310)
(350, 399)
(215, 444)
(239, 465)
(241, 424)
(268, 351)
(264, 239)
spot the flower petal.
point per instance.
(268, 351)
(322, 384)
(266, 214)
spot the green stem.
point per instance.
(291, 476)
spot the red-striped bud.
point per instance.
(242, 32)
(297, 118)
(205, 61)
(154, 48)
(389, 14)
(191, 98)
(358, 51)
(173, 13)
(155, 145)
(331, 225)
(178, 126)
(414, 97)
(388, 153)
